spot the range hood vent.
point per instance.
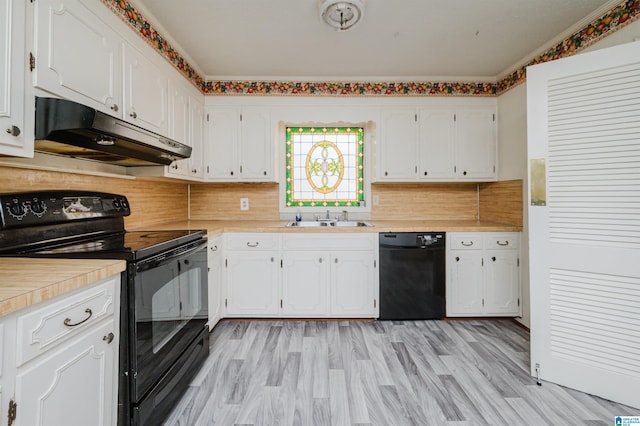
(67, 128)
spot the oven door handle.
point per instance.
(169, 257)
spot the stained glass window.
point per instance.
(324, 167)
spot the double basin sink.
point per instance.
(328, 224)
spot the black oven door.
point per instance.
(168, 301)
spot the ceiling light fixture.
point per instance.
(341, 15)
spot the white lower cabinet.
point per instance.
(304, 284)
(59, 361)
(215, 262)
(354, 280)
(483, 274)
(252, 275)
(301, 275)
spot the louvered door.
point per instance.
(584, 120)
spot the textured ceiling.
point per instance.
(285, 39)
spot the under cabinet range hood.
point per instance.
(67, 128)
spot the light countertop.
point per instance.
(26, 281)
(214, 227)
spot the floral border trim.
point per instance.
(623, 14)
(348, 88)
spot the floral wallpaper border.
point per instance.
(611, 21)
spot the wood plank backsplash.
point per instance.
(502, 202)
(425, 201)
(221, 201)
(152, 202)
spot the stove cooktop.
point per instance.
(129, 245)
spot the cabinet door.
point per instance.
(196, 136)
(221, 146)
(75, 385)
(145, 94)
(352, 284)
(502, 283)
(397, 145)
(179, 125)
(304, 284)
(476, 144)
(252, 284)
(465, 283)
(12, 23)
(77, 56)
(215, 281)
(436, 144)
(256, 140)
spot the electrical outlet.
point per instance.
(244, 204)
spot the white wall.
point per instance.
(512, 149)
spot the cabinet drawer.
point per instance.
(330, 241)
(502, 241)
(255, 241)
(45, 327)
(465, 241)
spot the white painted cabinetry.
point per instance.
(437, 144)
(483, 274)
(77, 56)
(252, 274)
(215, 263)
(397, 152)
(12, 68)
(64, 358)
(145, 89)
(239, 144)
(329, 275)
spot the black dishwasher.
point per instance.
(412, 275)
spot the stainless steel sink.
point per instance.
(350, 223)
(307, 224)
(328, 224)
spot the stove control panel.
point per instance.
(42, 208)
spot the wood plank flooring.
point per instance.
(467, 372)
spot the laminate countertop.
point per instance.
(214, 227)
(27, 281)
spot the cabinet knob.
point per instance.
(386, 173)
(426, 173)
(14, 131)
(464, 173)
(231, 172)
(214, 248)
(114, 108)
(133, 114)
(457, 259)
(335, 260)
(108, 338)
(194, 171)
(320, 260)
(493, 258)
(174, 166)
(264, 173)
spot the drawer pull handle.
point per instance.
(253, 245)
(67, 321)
(506, 243)
(108, 338)
(469, 244)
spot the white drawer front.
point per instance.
(502, 240)
(255, 241)
(45, 327)
(330, 241)
(465, 241)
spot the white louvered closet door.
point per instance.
(584, 120)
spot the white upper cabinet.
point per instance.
(397, 157)
(475, 144)
(12, 66)
(145, 95)
(179, 124)
(77, 55)
(239, 144)
(196, 137)
(437, 144)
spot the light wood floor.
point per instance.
(379, 373)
